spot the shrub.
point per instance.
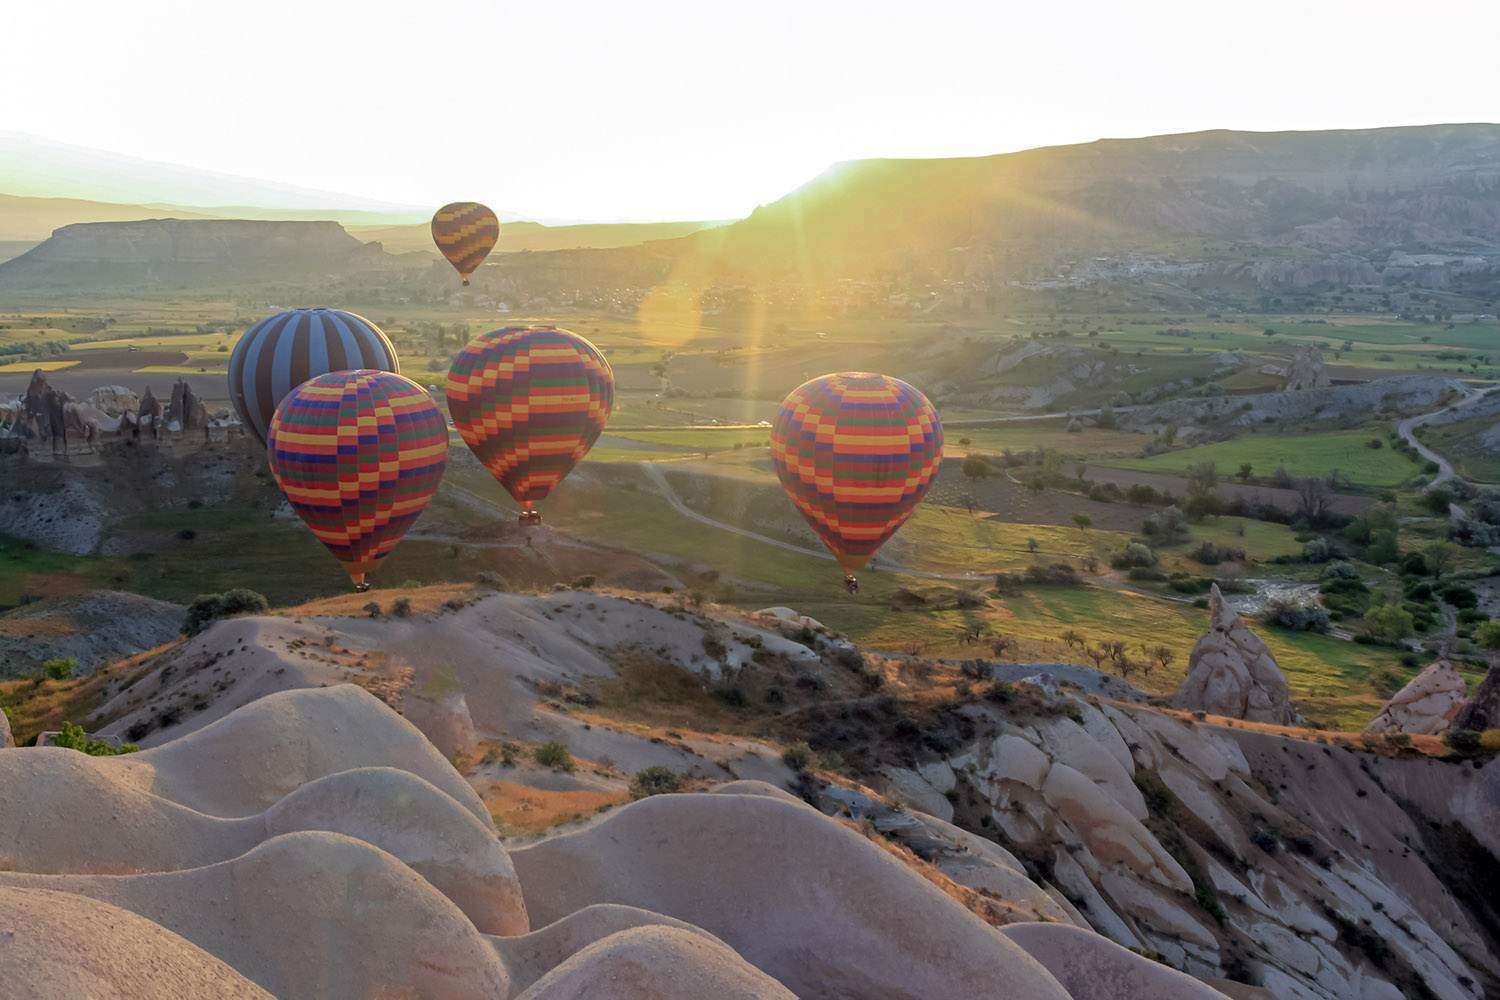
(798, 757)
(74, 738)
(1210, 554)
(1265, 839)
(554, 755)
(1166, 527)
(1388, 623)
(208, 608)
(59, 668)
(401, 607)
(656, 780)
(1459, 596)
(1146, 574)
(1414, 564)
(1053, 575)
(975, 467)
(1487, 635)
(1340, 570)
(1317, 551)
(1296, 616)
(1463, 740)
(1136, 554)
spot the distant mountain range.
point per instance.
(1173, 221)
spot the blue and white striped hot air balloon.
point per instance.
(282, 351)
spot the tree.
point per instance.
(1002, 644)
(1246, 471)
(1487, 635)
(1097, 655)
(1090, 564)
(59, 668)
(1439, 557)
(1082, 520)
(1202, 478)
(1388, 623)
(1313, 499)
(1163, 655)
(975, 467)
(1072, 638)
(1032, 544)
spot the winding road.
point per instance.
(1407, 429)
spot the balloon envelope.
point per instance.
(465, 232)
(856, 453)
(530, 402)
(283, 351)
(358, 455)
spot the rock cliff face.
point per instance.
(1306, 370)
(1426, 706)
(187, 252)
(1231, 672)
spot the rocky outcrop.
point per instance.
(1232, 673)
(1426, 706)
(6, 740)
(92, 629)
(1483, 711)
(1306, 370)
(187, 253)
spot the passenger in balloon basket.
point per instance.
(850, 583)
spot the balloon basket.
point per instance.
(529, 518)
(851, 584)
(361, 586)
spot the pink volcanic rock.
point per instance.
(656, 963)
(318, 916)
(1426, 706)
(798, 895)
(60, 946)
(1232, 673)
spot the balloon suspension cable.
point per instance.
(850, 583)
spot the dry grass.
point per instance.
(424, 601)
(519, 810)
(35, 707)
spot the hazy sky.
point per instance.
(655, 110)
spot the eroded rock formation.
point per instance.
(1231, 672)
(1425, 706)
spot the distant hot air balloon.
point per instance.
(856, 452)
(283, 351)
(530, 402)
(358, 455)
(465, 232)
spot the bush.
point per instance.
(1414, 564)
(1210, 554)
(1166, 527)
(1487, 635)
(975, 467)
(1149, 574)
(1296, 616)
(59, 668)
(209, 608)
(656, 780)
(1460, 596)
(1463, 740)
(798, 757)
(1053, 575)
(1340, 570)
(1136, 554)
(74, 738)
(1388, 624)
(401, 607)
(1317, 551)
(554, 755)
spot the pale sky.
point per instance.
(658, 109)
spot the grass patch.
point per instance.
(1299, 454)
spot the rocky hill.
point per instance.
(1286, 210)
(188, 253)
(1091, 831)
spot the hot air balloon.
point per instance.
(465, 232)
(530, 402)
(856, 452)
(285, 350)
(358, 455)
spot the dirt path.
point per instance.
(1407, 428)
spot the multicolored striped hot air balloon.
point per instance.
(465, 232)
(856, 452)
(530, 402)
(283, 351)
(358, 455)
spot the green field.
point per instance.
(1301, 455)
(1461, 442)
(1091, 442)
